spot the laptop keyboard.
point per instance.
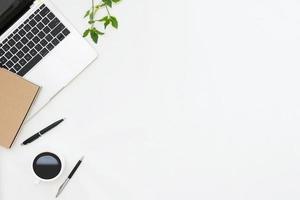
(32, 41)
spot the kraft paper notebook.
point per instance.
(16, 98)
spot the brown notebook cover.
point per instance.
(16, 98)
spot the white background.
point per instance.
(188, 100)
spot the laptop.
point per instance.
(38, 43)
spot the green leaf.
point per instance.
(107, 22)
(86, 32)
(94, 36)
(116, 1)
(87, 13)
(107, 2)
(114, 21)
(103, 19)
(98, 32)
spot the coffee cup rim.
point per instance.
(58, 175)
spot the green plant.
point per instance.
(106, 20)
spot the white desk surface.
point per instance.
(188, 100)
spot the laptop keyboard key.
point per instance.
(27, 57)
(29, 35)
(33, 52)
(17, 67)
(15, 31)
(44, 52)
(19, 45)
(25, 49)
(36, 39)
(26, 21)
(11, 42)
(1, 52)
(49, 38)
(38, 47)
(40, 25)
(37, 17)
(66, 32)
(53, 23)
(24, 40)
(46, 29)
(35, 30)
(27, 27)
(13, 50)
(32, 23)
(50, 15)
(45, 21)
(6, 47)
(30, 44)
(37, 11)
(3, 60)
(22, 62)
(60, 36)
(50, 46)
(43, 42)
(41, 34)
(45, 11)
(55, 41)
(22, 32)
(8, 55)
(17, 37)
(20, 54)
(9, 64)
(31, 16)
(15, 59)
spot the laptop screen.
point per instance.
(11, 11)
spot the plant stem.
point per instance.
(93, 12)
(107, 10)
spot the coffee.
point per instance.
(47, 165)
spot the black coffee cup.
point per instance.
(47, 166)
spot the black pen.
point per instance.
(62, 187)
(39, 134)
